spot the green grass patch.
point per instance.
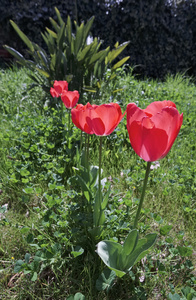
(46, 249)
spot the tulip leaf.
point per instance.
(94, 172)
(22, 36)
(98, 215)
(105, 200)
(114, 254)
(109, 252)
(130, 242)
(142, 245)
(84, 187)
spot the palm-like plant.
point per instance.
(68, 57)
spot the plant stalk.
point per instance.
(143, 194)
(100, 154)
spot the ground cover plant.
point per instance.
(46, 248)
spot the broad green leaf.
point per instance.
(130, 242)
(120, 63)
(27, 257)
(94, 172)
(173, 297)
(22, 36)
(79, 296)
(142, 245)
(77, 251)
(105, 280)
(101, 220)
(109, 252)
(19, 265)
(30, 238)
(28, 190)
(34, 277)
(24, 230)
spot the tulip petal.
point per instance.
(70, 98)
(54, 93)
(105, 118)
(147, 141)
(170, 121)
(79, 116)
(153, 131)
(60, 86)
(157, 106)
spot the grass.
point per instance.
(42, 223)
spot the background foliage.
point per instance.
(162, 34)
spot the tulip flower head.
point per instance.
(70, 98)
(97, 119)
(152, 131)
(58, 88)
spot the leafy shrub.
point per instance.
(69, 56)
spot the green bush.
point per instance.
(69, 56)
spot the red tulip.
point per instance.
(152, 131)
(70, 98)
(97, 119)
(59, 88)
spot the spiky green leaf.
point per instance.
(22, 36)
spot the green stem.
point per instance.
(143, 193)
(69, 119)
(100, 148)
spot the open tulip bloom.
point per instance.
(58, 88)
(97, 119)
(70, 98)
(152, 131)
(100, 120)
